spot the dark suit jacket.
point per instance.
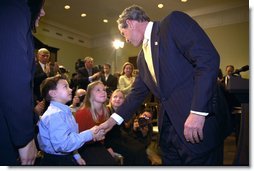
(39, 76)
(83, 77)
(186, 67)
(16, 73)
(111, 83)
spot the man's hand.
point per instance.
(97, 134)
(96, 76)
(39, 108)
(28, 153)
(193, 128)
(107, 125)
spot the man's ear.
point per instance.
(129, 23)
(52, 93)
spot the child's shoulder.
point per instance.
(52, 111)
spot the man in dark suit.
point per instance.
(181, 71)
(88, 73)
(108, 79)
(43, 69)
(17, 120)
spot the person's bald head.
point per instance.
(80, 92)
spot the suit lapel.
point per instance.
(155, 49)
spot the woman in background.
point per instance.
(126, 79)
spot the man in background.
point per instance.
(43, 69)
(88, 73)
(108, 80)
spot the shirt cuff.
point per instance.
(199, 113)
(76, 156)
(90, 79)
(87, 135)
(119, 120)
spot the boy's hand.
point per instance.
(100, 135)
(81, 161)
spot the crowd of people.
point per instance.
(92, 117)
(96, 94)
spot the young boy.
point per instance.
(58, 135)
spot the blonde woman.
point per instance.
(126, 79)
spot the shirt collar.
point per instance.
(42, 65)
(60, 106)
(148, 31)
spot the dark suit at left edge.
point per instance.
(16, 73)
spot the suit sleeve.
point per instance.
(83, 77)
(16, 72)
(199, 50)
(134, 100)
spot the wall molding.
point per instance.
(208, 17)
(64, 33)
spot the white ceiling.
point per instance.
(97, 10)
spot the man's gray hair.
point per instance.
(88, 58)
(133, 12)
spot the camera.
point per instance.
(143, 121)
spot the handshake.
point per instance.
(98, 134)
(100, 131)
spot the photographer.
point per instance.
(143, 127)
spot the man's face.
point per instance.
(42, 13)
(131, 33)
(89, 64)
(229, 70)
(106, 69)
(43, 57)
(147, 115)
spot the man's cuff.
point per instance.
(119, 120)
(199, 113)
(77, 156)
(90, 79)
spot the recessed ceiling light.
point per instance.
(184, 0)
(160, 5)
(105, 20)
(83, 15)
(67, 7)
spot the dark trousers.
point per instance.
(57, 160)
(95, 154)
(8, 153)
(133, 151)
(176, 153)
